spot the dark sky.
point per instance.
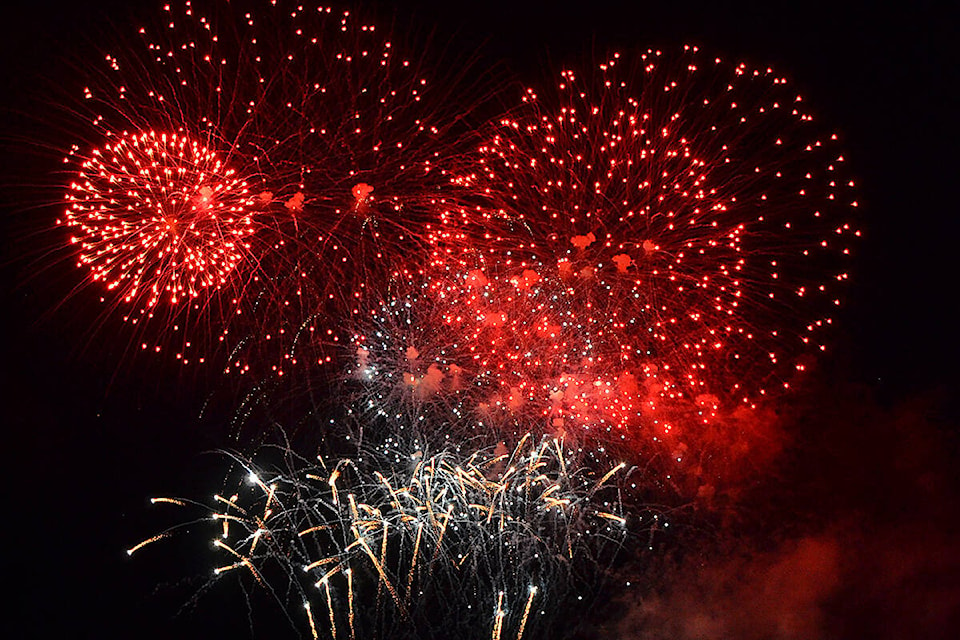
(88, 445)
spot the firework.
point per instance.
(690, 213)
(258, 165)
(476, 353)
(622, 266)
(159, 217)
(483, 543)
(405, 364)
(652, 248)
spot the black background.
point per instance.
(86, 440)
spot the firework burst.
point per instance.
(321, 147)
(159, 216)
(651, 248)
(698, 213)
(493, 354)
(367, 545)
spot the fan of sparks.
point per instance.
(484, 543)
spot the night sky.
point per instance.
(850, 529)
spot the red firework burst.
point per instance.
(337, 140)
(654, 247)
(698, 215)
(158, 216)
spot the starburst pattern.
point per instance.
(158, 216)
(696, 209)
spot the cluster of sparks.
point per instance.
(365, 546)
(639, 251)
(511, 355)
